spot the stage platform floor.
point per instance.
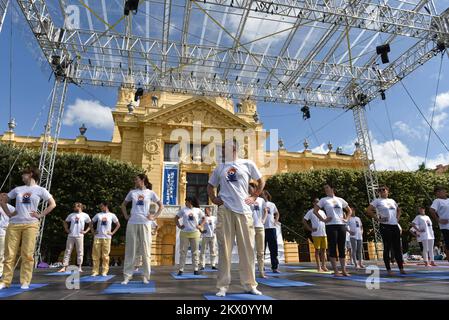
(422, 283)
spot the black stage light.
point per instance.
(383, 50)
(131, 5)
(305, 112)
(138, 94)
(382, 94)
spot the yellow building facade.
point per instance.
(152, 137)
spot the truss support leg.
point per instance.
(49, 148)
(370, 173)
(3, 9)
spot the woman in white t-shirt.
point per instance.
(423, 224)
(318, 233)
(260, 213)
(356, 238)
(208, 239)
(78, 220)
(192, 224)
(4, 222)
(138, 231)
(23, 226)
(440, 212)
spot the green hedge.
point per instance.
(89, 179)
(293, 193)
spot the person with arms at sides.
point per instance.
(208, 239)
(356, 238)
(260, 212)
(336, 219)
(234, 217)
(102, 238)
(387, 212)
(4, 222)
(318, 230)
(271, 239)
(440, 212)
(138, 231)
(423, 224)
(192, 224)
(78, 219)
(23, 226)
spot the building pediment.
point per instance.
(200, 109)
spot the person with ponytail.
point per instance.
(78, 220)
(138, 230)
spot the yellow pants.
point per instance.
(20, 235)
(184, 243)
(2, 253)
(230, 226)
(260, 248)
(101, 249)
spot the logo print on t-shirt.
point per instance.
(336, 205)
(104, 221)
(26, 198)
(428, 224)
(140, 199)
(77, 219)
(357, 224)
(256, 207)
(231, 174)
(190, 216)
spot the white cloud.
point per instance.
(404, 128)
(89, 112)
(321, 149)
(442, 101)
(439, 120)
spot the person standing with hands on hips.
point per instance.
(234, 217)
(23, 226)
(208, 239)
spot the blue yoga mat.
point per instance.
(14, 289)
(96, 279)
(358, 278)
(294, 267)
(277, 283)
(282, 274)
(237, 296)
(188, 276)
(209, 270)
(67, 273)
(136, 287)
(430, 276)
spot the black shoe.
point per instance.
(180, 273)
(196, 273)
(276, 271)
(214, 268)
(202, 268)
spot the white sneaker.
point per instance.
(254, 291)
(2, 286)
(221, 292)
(25, 286)
(145, 280)
(125, 281)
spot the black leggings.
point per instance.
(336, 237)
(272, 241)
(391, 237)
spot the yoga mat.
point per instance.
(315, 271)
(136, 287)
(209, 270)
(14, 289)
(277, 283)
(360, 278)
(188, 276)
(237, 296)
(59, 273)
(293, 267)
(96, 279)
(431, 276)
(282, 274)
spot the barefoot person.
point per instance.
(260, 212)
(138, 231)
(23, 226)
(102, 239)
(234, 218)
(4, 222)
(78, 220)
(208, 239)
(440, 212)
(336, 219)
(318, 230)
(388, 213)
(356, 238)
(423, 224)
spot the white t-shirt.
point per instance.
(424, 226)
(270, 222)
(441, 206)
(141, 201)
(316, 223)
(209, 226)
(4, 219)
(333, 207)
(104, 224)
(387, 208)
(191, 218)
(355, 225)
(258, 209)
(233, 179)
(27, 200)
(77, 221)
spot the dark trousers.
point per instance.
(272, 242)
(336, 237)
(391, 238)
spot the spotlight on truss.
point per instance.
(305, 112)
(383, 51)
(130, 6)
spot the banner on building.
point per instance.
(170, 183)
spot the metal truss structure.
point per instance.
(3, 8)
(310, 52)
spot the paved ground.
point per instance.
(414, 287)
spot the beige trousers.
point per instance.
(260, 248)
(24, 236)
(205, 243)
(101, 250)
(138, 243)
(78, 243)
(184, 244)
(2, 253)
(230, 226)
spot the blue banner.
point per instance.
(170, 184)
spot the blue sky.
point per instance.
(31, 88)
